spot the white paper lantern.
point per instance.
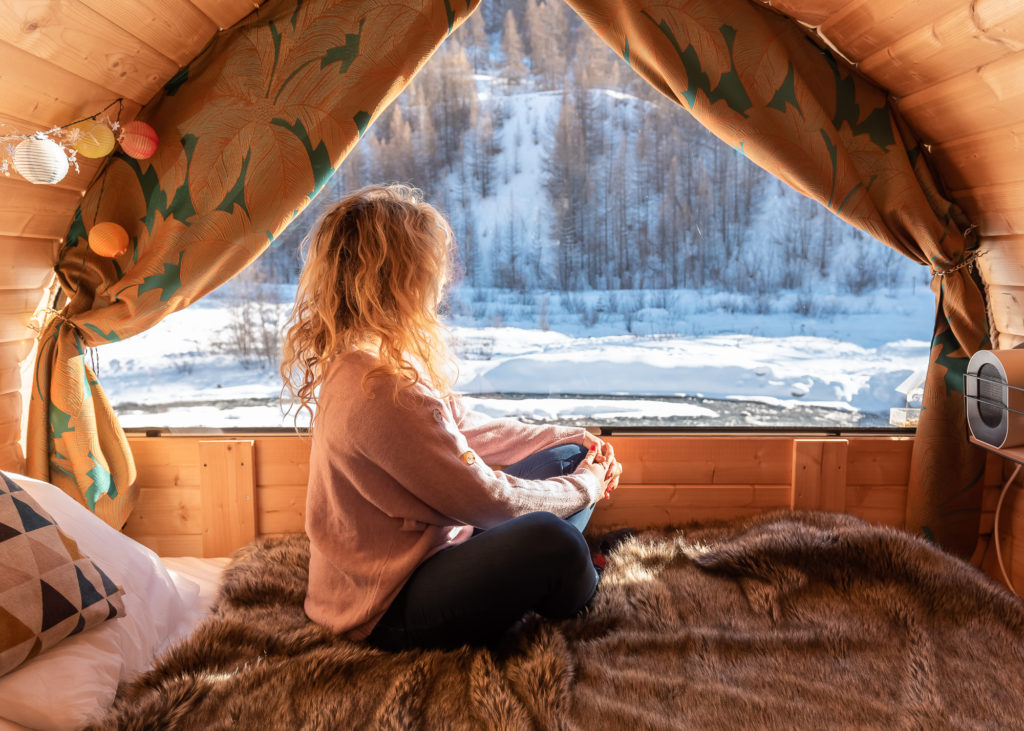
(40, 160)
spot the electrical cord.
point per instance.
(995, 536)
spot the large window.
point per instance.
(620, 265)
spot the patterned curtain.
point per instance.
(249, 132)
(757, 82)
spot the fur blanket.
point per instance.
(786, 620)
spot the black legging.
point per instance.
(473, 592)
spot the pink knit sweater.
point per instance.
(391, 484)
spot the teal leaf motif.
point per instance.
(730, 86)
(277, 53)
(451, 15)
(346, 53)
(181, 206)
(955, 366)
(319, 157)
(60, 422)
(362, 120)
(102, 484)
(786, 94)
(77, 230)
(236, 196)
(169, 282)
(833, 151)
(877, 125)
(110, 337)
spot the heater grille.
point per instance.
(990, 395)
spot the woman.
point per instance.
(414, 540)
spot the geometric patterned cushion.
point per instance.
(48, 589)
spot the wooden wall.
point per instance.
(59, 62)
(204, 496)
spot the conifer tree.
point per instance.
(512, 46)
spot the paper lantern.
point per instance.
(95, 139)
(108, 239)
(40, 160)
(139, 140)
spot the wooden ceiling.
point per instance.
(954, 68)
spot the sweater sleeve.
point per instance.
(424, 452)
(505, 441)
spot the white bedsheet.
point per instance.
(196, 580)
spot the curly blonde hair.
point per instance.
(376, 265)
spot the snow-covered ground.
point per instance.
(705, 359)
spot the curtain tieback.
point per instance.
(968, 260)
(47, 315)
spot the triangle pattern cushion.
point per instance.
(48, 589)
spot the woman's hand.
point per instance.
(595, 463)
(604, 450)
(612, 478)
(601, 454)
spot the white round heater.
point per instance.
(994, 389)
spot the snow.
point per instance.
(169, 376)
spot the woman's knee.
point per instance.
(554, 539)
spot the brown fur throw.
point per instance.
(785, 621)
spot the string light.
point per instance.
(41, 156)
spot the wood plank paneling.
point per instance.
(648, 506)
(73, 37)
(891, 498)
(280, 508)
(227, 494)
(10, 417)
(819, 474)
(225, 13)
(28, 210)
(707, 460)
(980, 100)
(166, 461)
(26, 263)
(1001, 260)
(10, 377)
(180, 545)
(985, 159)
(10, 429)
(813, 14)
(864, 27)
(282, 460)
(166, 511)
(175, 28)
(12, 458)
(15, 351)
(876, 489)
(46, 95)
(997, 210)
(881, 461)
(19, 304)
(944, 46)
(1006, 308)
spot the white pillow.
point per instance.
(76, 681)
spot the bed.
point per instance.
(783, 620)
(165, 598)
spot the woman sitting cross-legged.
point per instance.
(415, 541)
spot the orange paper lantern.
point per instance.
(108, 239)
(139, 140)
